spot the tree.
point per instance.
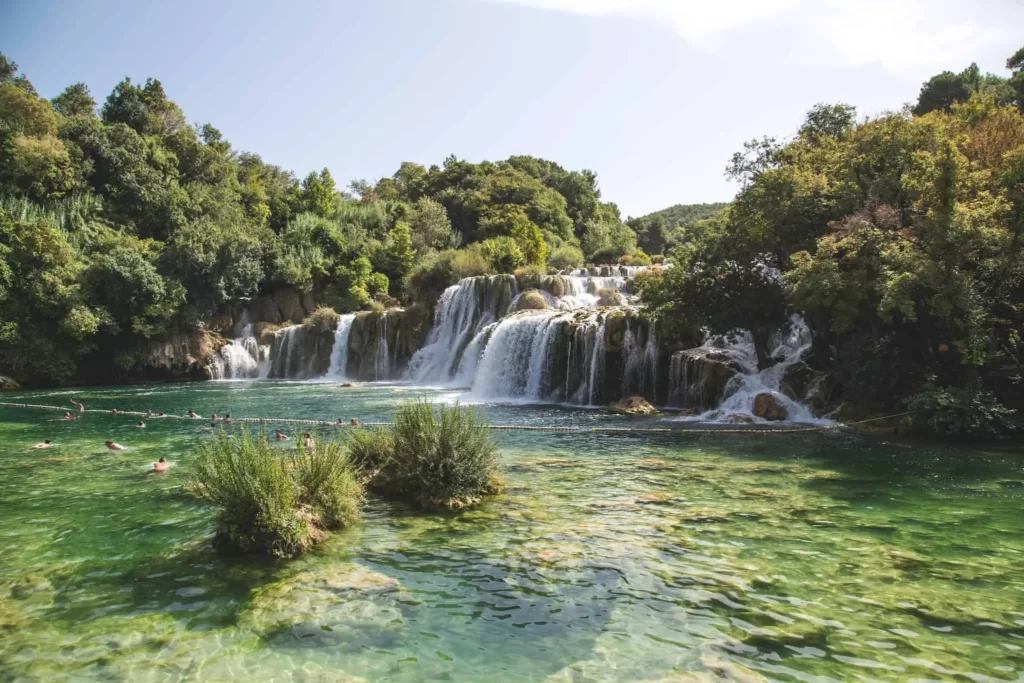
(75, 100)
(318, 192)
(431, 229)
(399, 252)
(828, 120)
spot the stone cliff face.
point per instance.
(381, 343)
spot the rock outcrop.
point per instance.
(633, 405)
(8, 384)
(767, 407)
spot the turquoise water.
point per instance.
(611, 557)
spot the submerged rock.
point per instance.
(767, 407)
(633, 405)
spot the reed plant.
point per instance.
(270, 502)
(435, 456)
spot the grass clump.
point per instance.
(323, 319)
(531, 300)
(608, 296)
(266, 502)
(433, 456)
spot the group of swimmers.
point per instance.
(162, 464)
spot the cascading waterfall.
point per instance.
(543, 356)
(463, 311)
(339, 352)
(736, 350)
(240, 358)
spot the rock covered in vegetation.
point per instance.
(633, 405)
(531, 300)
(608, 296)
(439, 457)
(767, 407)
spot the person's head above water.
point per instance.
(47, 441)
(162, 459)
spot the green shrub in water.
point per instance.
(435, 456)
(267, 502)
(960, 412)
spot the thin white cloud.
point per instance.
(897, 34)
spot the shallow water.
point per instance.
(611, 557)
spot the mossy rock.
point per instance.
(8, 384)
(531, 300)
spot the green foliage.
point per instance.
(941, 92)
(565, 257)
(658, 232)
(399, 254)
(960, 412)
(323, 319)
(434, 456)
(503, 254)
(269, 503)
(75, 101)
(898, 238)
(326, 483)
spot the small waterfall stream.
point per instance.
(339, 352)
(241, 357)
(689, 374)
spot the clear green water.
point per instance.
(680, 557)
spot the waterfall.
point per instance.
(515, 362)
(649, 367)
(632, 363)
(339, 352)
(285, 353)
(597, 363)
(463, 311)
(382, 362)
(691, 371)
(240, 357)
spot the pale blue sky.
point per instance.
(654, 95)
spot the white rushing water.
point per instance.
(737, 349)
(339, 352)
(462, 312)
(241, 357)
(382, 362)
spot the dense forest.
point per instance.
(662, 230)
(122, 224)
(898, 237)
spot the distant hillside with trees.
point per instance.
(659, 231)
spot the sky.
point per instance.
(653, 95)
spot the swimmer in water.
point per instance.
(149, 413)
(308, 440)
(161, 465)
(227, 417)
(67, 415)
(41, 446)
(159, 414)
(81, 408)
(354, 422)
(112, 412)
(192, 413)
(214, 418)
(114, 446)
(142, 425)
(279, 435)
(74, 417)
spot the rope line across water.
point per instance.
(522, 428)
